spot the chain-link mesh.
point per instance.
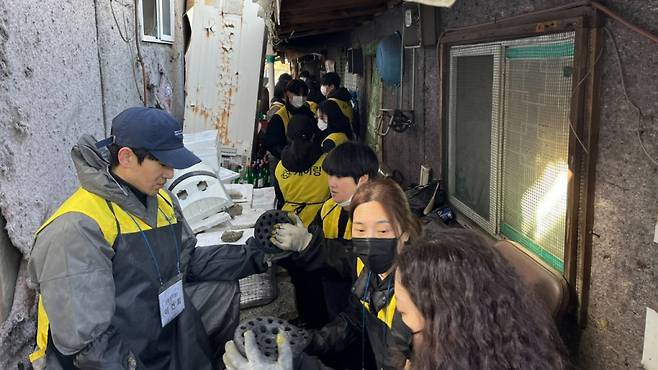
(509, 105)
(537, 93)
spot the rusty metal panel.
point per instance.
(222, 71)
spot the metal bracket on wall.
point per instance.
(544, 26)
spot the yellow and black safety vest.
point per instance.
(111, 222)
(345, 108)
(285, 115)
(338, 138)
(331, 221)
(303, 192)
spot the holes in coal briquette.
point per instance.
(275, 331)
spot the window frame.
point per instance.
(490, 225)
(162, 38)
(587, 24)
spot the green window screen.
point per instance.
(537, 94)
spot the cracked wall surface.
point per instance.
(52, 57)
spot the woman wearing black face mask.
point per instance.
(381, 225)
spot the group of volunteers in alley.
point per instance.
(121, 284)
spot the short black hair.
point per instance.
(331, 78)
(141, 154)
(279, 91)
(301, 125)
(336, 120)
(304, 73)
(297, 87)
(285, 77)
(352, 160)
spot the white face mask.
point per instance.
(346, 203)
(323, 90)
(322, 124)
(297, 101)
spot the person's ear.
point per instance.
(404, 237)
(125, 156)
(362, 180)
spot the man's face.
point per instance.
(341, 188)
(295, 100)
(154, 174)
(148, 177)
(326, 90)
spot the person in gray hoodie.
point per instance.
(115, 264)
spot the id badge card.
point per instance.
(171, 299)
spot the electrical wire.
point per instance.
(575, 90)
(116, 22)
(644, 33)
(628, 99)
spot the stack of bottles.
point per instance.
(257, 173)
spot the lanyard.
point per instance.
(366, 297)
(148, 245)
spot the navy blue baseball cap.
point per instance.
(153, 130)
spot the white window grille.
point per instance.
(157, 20)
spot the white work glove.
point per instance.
(291, 237)
(255, 360)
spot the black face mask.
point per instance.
(377, 254)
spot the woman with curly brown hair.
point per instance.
(468, 309)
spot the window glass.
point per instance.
(150, 18)
(473, 132)
(509, 107)
(536, 146)
(166, 17)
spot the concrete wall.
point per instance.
(52, 57)
(9, 263)
(421, 143)
(625, 261)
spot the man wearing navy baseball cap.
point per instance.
(115, 263)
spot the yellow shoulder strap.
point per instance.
(285, 117)
(337, 137)
(345, 107)
(92, 205)
(314, 107)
